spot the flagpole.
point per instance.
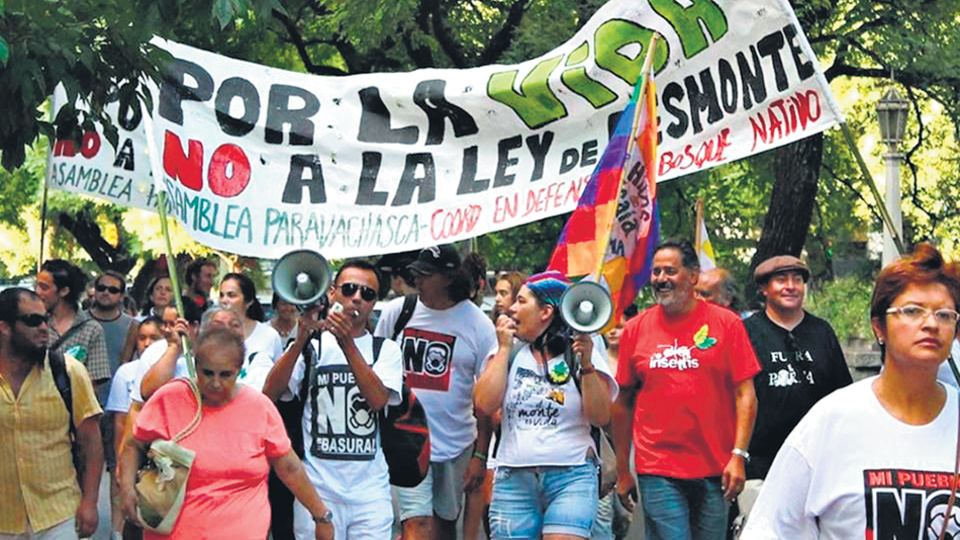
(697, 235)
(884, 215)
(165, 230)
(647, 67)
(631, 141)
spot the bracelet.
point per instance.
(325, 519)
(586, 370)
(479, 455)
(742, 453)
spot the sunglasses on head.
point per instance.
(113, 290)
(33, 320)
(350, 289)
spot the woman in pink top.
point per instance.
(239, 438)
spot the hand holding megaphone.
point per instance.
(582, 347)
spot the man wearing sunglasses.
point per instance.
(42, 494)
(800, 358)
(347, 382)
(120, 335)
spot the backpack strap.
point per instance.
(377, 345)
(70, 331)
(307, 353)
(58, 367)
(406, 313)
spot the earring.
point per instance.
(880, 341)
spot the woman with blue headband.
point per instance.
(552, 389)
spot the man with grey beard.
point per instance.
(41, 494)
(685, 369)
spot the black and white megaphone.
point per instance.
(586, 307)
(301, 277)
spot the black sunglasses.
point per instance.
(34, 320)
(350, 289)
(112, 289)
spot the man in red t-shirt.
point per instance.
(685, 371)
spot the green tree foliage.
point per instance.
(98, 46)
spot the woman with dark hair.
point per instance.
(876, 459)
(159, 294)
(239, 294)
(552, 390)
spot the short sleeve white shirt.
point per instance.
(543, 423)
(121, 386)
(851, 470)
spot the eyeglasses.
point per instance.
(112, 289)
(916, 314)
(34, 320)
(350, 289)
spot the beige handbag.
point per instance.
(162, 481)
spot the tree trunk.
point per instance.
(785, 227)
(89, 236)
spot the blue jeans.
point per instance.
(679, 509)
(531, 501)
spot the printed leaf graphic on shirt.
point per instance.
(78, 352)
(557, 370)
(702, 340)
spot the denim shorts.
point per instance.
(532, 501)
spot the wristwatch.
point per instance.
(742, 453)
(324, 519)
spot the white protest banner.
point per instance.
(260, 161)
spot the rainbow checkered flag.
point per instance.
(611, 235)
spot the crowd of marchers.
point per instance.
(718, 421)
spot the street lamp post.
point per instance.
(892, 113)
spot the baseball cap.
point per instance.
(435, 259)
(780, 264)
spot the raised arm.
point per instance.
(596, 393)
(492, 384)
(370, 385)
(165, 368)
(279, 377)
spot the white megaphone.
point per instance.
(301, 277)
(586, 307)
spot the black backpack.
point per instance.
(404, 435)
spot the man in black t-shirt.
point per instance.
(800, 358)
